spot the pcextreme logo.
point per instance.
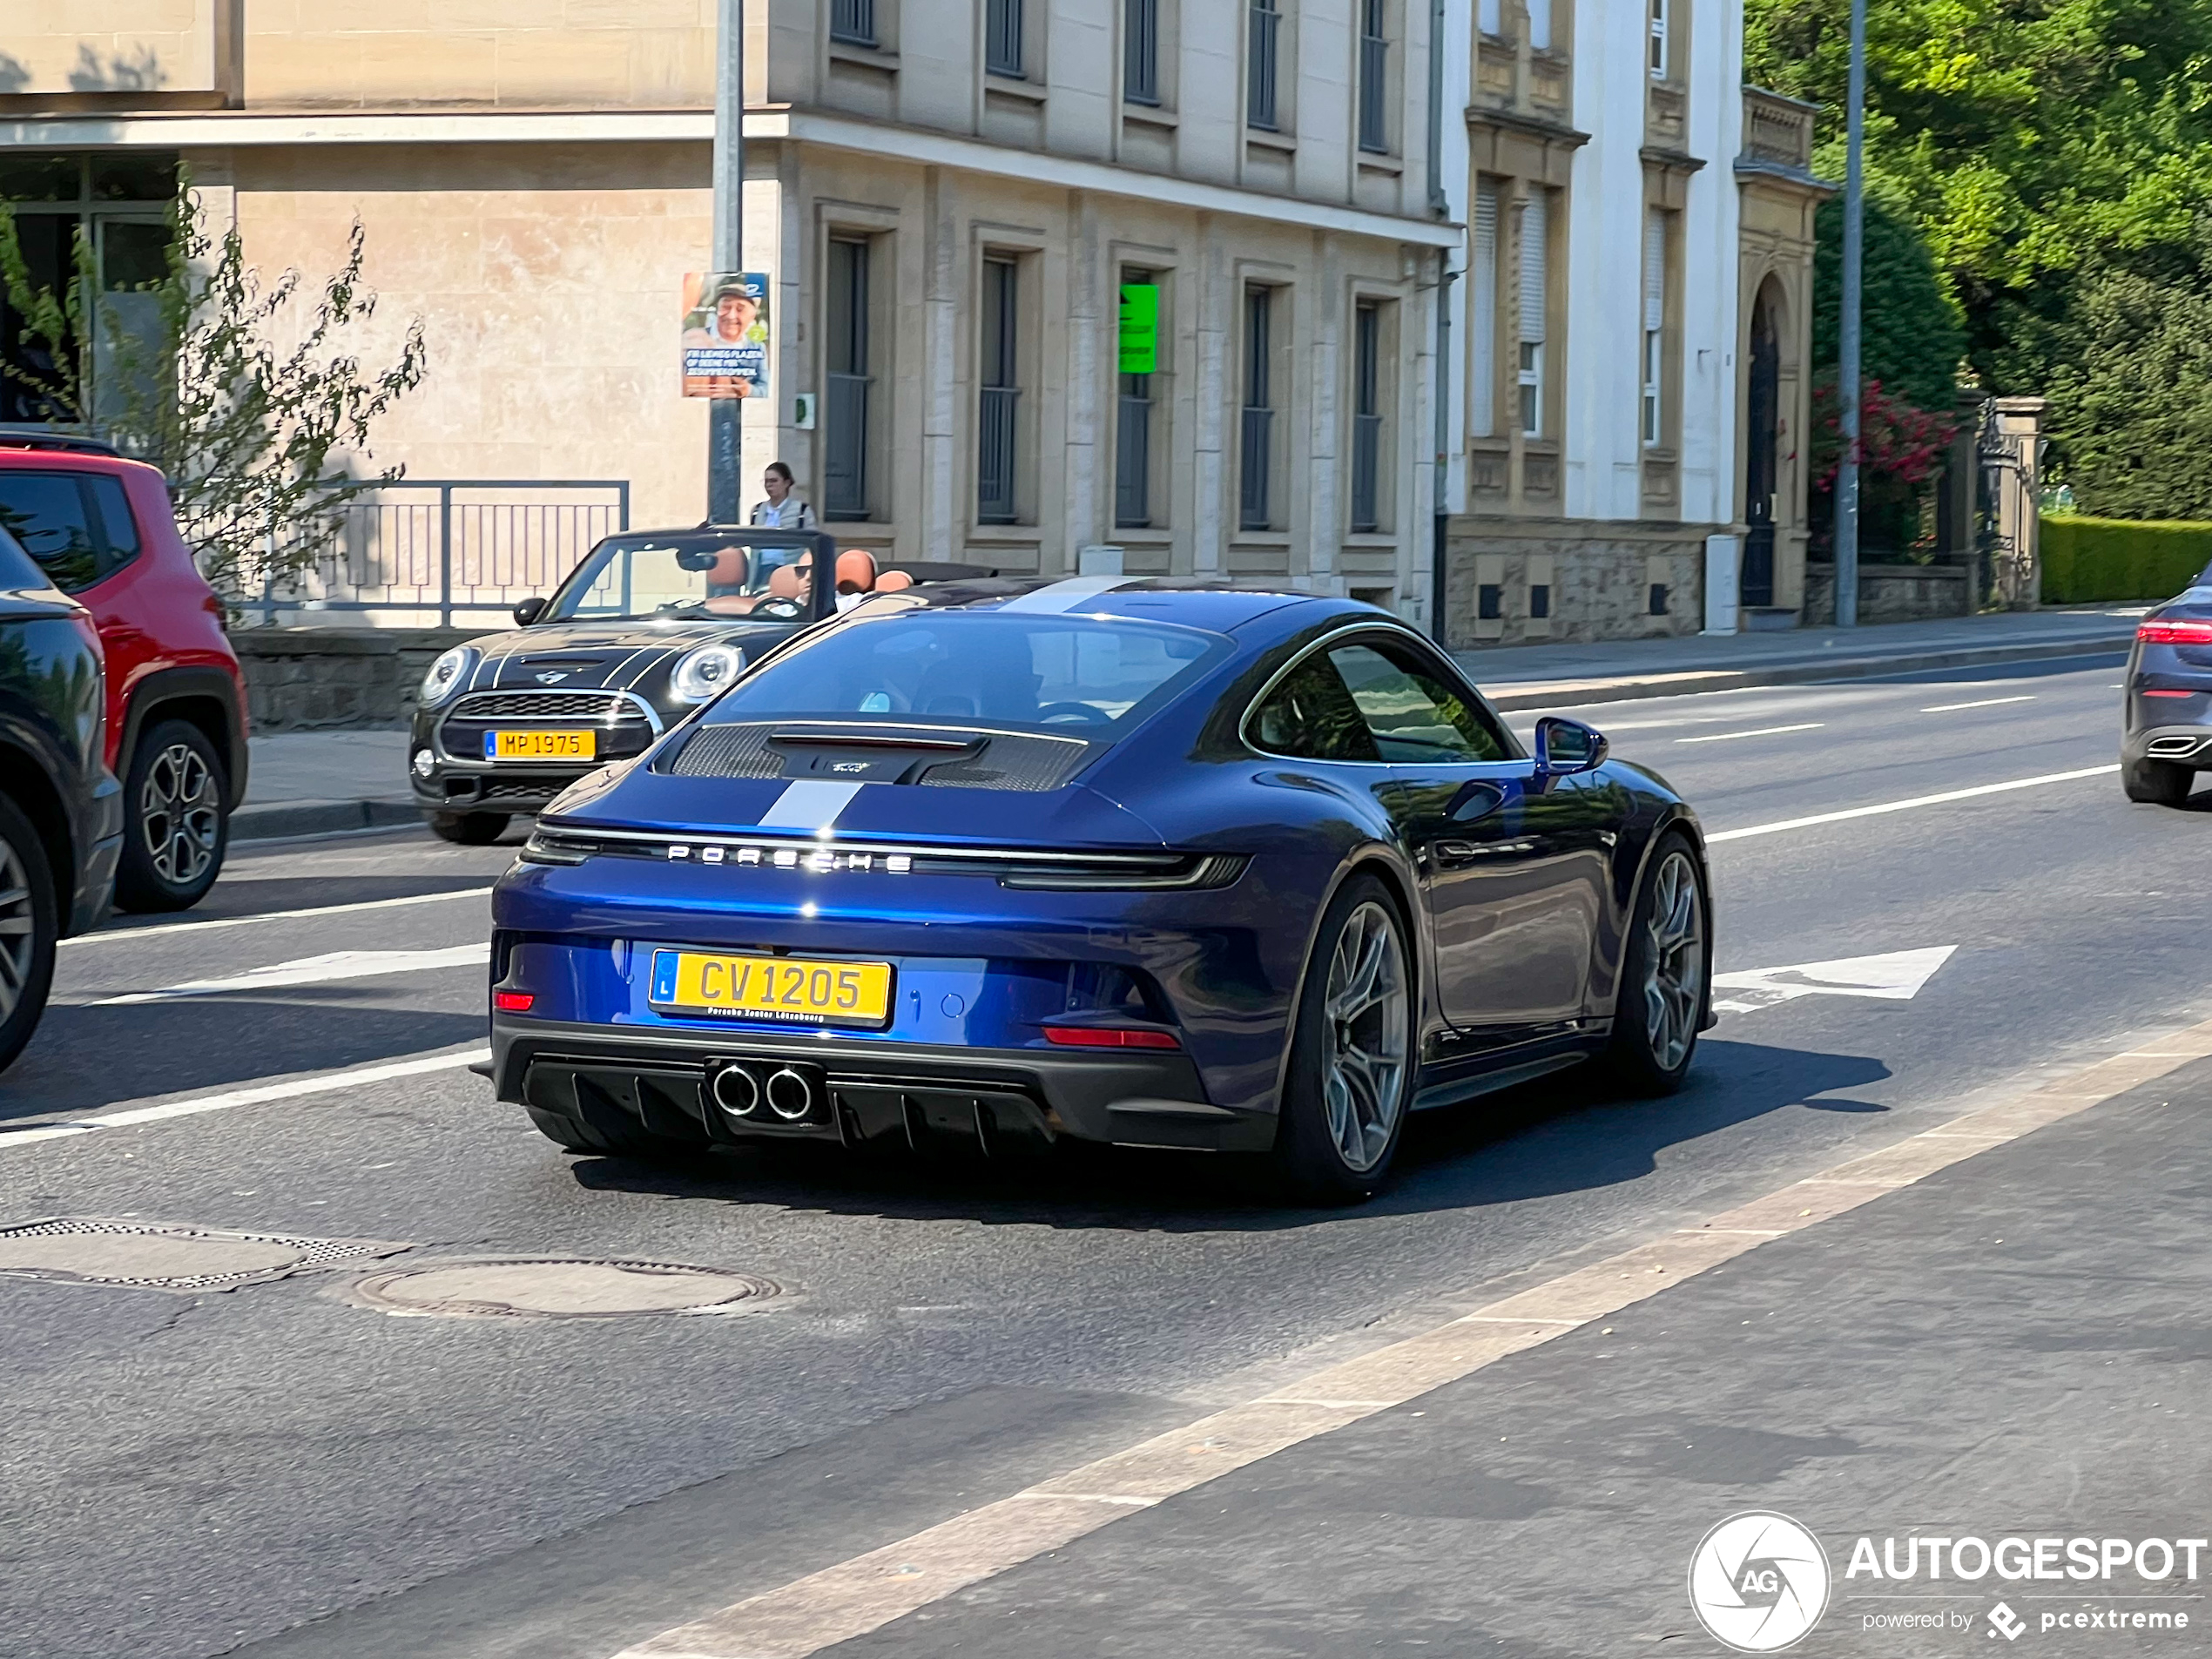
(1759, 1581)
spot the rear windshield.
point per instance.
(1075, 674)
(695, 574)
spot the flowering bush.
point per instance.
(1900, 450)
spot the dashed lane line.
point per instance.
(166, 929)
(1910, 804)
(1762, 732)
(1980, 703)
(868, 1592)
(325, 969)
(292, 1089)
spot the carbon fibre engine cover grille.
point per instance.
(1008, 760)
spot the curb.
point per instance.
(278, 821)
(1512, 696)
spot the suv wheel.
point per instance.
(28, 930)
(179, 824)
(469, 829)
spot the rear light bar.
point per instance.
(1109, 1037)
(2159, 631)
(2161, 693)
(513, 1002)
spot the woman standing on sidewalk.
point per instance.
(782, 510)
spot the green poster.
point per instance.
(1140, 328)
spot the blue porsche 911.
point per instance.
(1133, 861)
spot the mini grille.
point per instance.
(536, 788)
(546, 705)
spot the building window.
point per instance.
(845, 399)
(1366, 417)
(1256, 450)
(852, 22)
(1260, 66)
(1489, 601)
(1540, 600)
(1482, 306)
(1374, 60)
(996, 458)
(1490, 17)
(1654, 325)
(1536, 288)
(1540, 24)
(1658, 39)
(1002, 38)
(1133, 441)
(1141, 51)
(1658, 598)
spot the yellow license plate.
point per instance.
(771, 987)
(541, 745)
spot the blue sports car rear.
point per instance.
(1113, 860)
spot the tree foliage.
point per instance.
(1909, 340)
(244, 392)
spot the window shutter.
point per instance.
(1482, 399)
(1655, 268)
(1535, 264)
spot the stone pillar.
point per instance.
(1955, 537)
(2020, 425)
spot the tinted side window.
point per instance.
(1415, 716)
(1311, 716)
(46, 512)
(117, 528)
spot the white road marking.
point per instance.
(327, 1083)
(1909, 805)
(1985, 702)
(1763, 731)
(325, 969)
(865, 1593)
(1896, 977)
(167, 929)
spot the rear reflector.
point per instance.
(1107, 1036)
(2173, 694)
(2167, 632)
(512, 1001)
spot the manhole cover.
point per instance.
(544, 1287)
(147, 1255)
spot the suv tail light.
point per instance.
(1108, 1036)
(2167, 632)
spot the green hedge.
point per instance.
(2086, 560)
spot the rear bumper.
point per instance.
(486, 792)
(901, 1096)
(2181, 745)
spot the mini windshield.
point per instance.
(1080, 674)
(693, 573)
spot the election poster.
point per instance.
(726, 334)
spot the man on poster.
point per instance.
(726, 334)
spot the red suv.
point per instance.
(102, 527)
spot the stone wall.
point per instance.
(1596, 579)
(1889, 592)
(302, 679)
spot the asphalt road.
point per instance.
(279, 1468)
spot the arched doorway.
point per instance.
(1761, 468)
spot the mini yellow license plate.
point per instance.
(771, 987)
(541, 745)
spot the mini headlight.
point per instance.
(447, 675)
(705, 672)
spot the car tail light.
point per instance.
(2173, 693)
(1108, 1036)
(2164, 630)
(512, 1001)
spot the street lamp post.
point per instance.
(724, 490)
(1847, 353)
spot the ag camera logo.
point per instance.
(1759, 1581)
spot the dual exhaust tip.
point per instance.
(767, 1092)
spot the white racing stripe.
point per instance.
(168, 928)
(1750, 830)
(325, 969)
(1062, 596)
(809, 805)
(1763, 731)
(327, 1083)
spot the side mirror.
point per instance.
(529, 611)
(1565, 747)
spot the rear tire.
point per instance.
(177, 795)
(469, 829)
(28, 929)
(1349, 1080)
(1666, 966)
(2155, 783)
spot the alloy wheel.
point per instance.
(179, 815)
(1365, 1055)
(18, 930)
(1673, 979)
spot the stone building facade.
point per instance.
(947, 196)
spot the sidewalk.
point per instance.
(2013, 1350)
(312, 783)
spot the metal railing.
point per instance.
(1141, 51)
(1133, 461)
(442, 548)
(1367, 472)
(852, 22)
(1256, 455)
(1374, 62)
(1260, 66)
(1002, 38)
(844, 479)
(995, 455)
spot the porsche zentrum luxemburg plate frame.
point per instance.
(790, 989)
